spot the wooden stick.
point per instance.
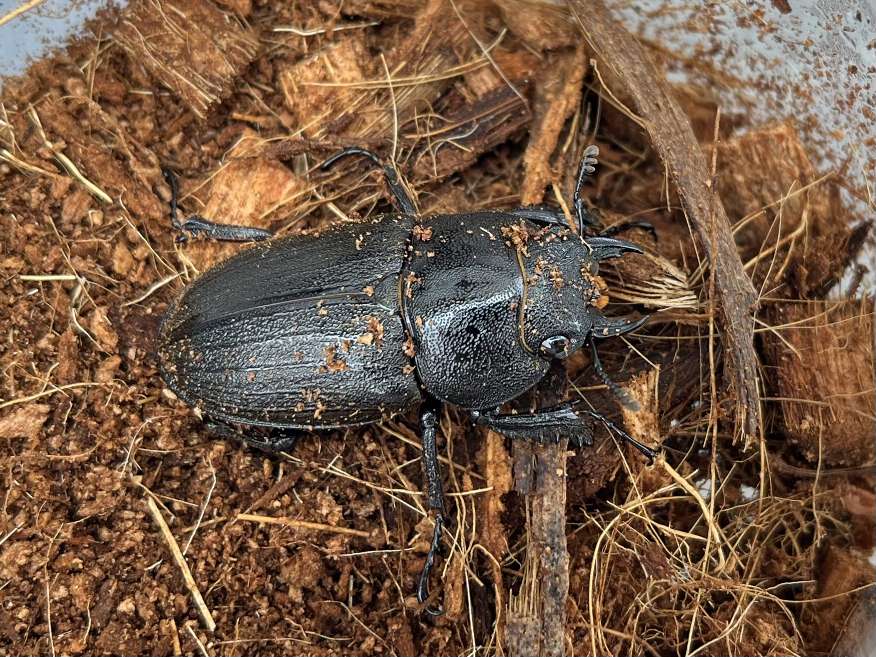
(302, 524)
(674, 140)
(203, 611)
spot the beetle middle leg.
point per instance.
(550, 424)
(274, 439)
(393, 180)
(429, 415)
(196, 225)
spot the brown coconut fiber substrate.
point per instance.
(127, 528)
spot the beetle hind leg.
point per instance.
(196, 225)
(435, 493)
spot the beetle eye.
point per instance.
(557, 346)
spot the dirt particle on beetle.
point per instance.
(333, 363)
(409, 349)
(410, 280)
(422, 233)
(373, 332)
(517, 236)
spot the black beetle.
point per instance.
(377, 318)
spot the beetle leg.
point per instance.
(432, 470)
(540, 214)
(393, 180)
(196, 225)
(277, 439)
(542, 426)
(551, 424)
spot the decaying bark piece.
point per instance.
(492, 533)
(537, 615)
(826, 382)
(192, 48)
(549, 540)
(316, 91)
(555, 101)
(673, 138)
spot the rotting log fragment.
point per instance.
(822, 353)
(192, 48)
(538, 613)
(674, 140)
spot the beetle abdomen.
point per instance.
(299, 332)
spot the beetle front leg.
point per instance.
(429, 415)
(196, 225)
(551, 424)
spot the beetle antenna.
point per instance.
(586, 168)
(622, 395)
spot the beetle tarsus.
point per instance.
(649, 453)
(432, 471)
(393, 180)
(271, 440)
(196, 225)
(423, 583)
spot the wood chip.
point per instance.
(24, 422)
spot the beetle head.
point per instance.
(564, 294)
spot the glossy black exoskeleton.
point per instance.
(377, 318)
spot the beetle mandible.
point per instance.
(377, 318)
